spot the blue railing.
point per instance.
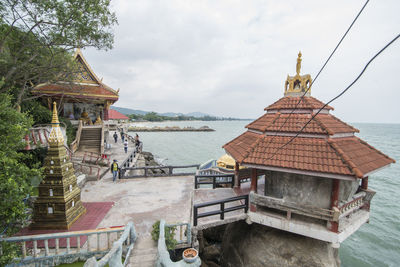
(114, 257)
(57, 248)
(164, 259)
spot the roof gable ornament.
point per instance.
(297, 85)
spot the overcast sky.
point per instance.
(231, 58)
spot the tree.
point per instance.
(15, 175)
(37, 38)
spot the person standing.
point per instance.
(114, 169)
(122, 136)
(115, 137)
(126, 145)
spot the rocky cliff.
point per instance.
(255, 245)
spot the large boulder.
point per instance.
(258, 246)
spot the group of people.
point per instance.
(124, 137)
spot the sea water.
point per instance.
(374, 244)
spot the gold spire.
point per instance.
(55, 115)
(55, 137)
(298, 65)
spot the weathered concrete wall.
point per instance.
(306, 190)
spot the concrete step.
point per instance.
(146, 257)
(144, 251)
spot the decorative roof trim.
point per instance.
(78, 53)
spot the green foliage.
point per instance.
(70, 129)
(37, 39)
(153, 116)
(169, 235)
(15, 175)
(39, 113)
(10, 251)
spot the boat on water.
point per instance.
(225, 164)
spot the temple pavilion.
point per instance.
(84, 97)
(316, 184)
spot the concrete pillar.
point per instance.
(105, 114)
(253, 186)
(335, 202)
(364, 183)
(236, 182)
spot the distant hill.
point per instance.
(198, 114)
(128, 111)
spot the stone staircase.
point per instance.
(90, 140)
(144, 253)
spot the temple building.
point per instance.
(316, 178)
(83, 97)
(59, 202)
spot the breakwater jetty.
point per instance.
(170, 129)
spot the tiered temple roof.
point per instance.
(326, 147)
(84, 86)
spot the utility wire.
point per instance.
(322, 68)
(336, 97)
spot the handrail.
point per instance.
(52, 251)
(90, 168)
(114, 256)
(96, 156)
(169, 170)
(75, 144)
(222, 210)
(102, 139)
(216, 179)
(163, 259)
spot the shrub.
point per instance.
(169, 235)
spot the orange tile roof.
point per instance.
(292, 123)
(290, 102)
(241, 145)
(115, 115)
(343, 156)
(77, 91)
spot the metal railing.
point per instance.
(214, 180)
(114, 257)
(165, 171)
(222, 209)
(95, 158)
(62, 247)
(88, 169)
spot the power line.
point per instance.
(339, 95)
(322, 68)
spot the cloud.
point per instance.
(231, 58)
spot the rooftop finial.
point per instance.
(55, 116)
(299, 84)
(298, 65)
